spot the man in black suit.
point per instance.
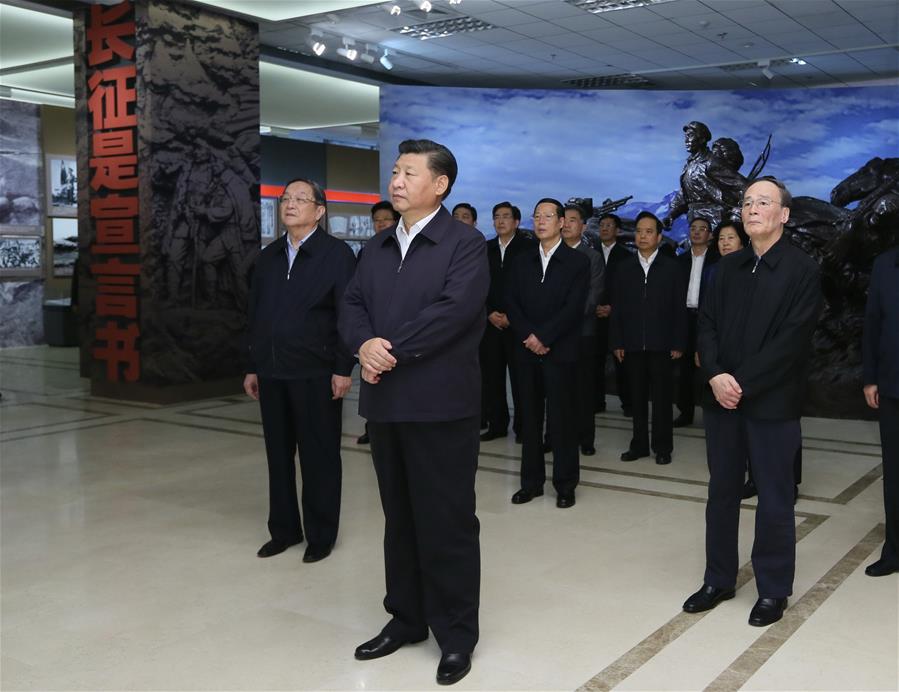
(755, 332)
(465, 213)
(573, 235)
(414, 312)
(612, 253)
(881, 376)
(648, 331)
(694, 265)
(498, 343)
(545, 296)
(299, 370)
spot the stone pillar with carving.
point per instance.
(167, 106)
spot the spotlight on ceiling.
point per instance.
(385, 61)
(317, 41)
(455, 2)
(367, 57)
(349, 49)
(798, 61)
(765, 65)
(425, 5)
(393, 9)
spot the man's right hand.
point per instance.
(251, 386)
(726, 390)
(370, 376)
(374, 354)
(498, 319)
(872, 396)
(619, 354)
(603, 310)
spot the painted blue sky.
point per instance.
(522, 145)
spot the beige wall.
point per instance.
(355, 170)
(57, 137)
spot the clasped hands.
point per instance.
(498, 319)
(533, 344)
(727, 390)
(375, 359)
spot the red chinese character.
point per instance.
(105, 36)
(113, 207)
(109, 289)
(113, 143)
(114, 172)
(109, 104)
(117, 306)
(116, 267)
(120, 349)
(115, 231)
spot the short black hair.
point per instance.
(560, 208)
(579, 209)
(615, 219)
(466, 205)
(516, 212)
(384, 204)
(737, 226)
(702, 218)
(786, 199)
(440, 159)
(318, 194)
(649, 215)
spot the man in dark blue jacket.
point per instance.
(299, 370)
(755, 332)
(647, 331)
(881, 379)
(546, 290)
(414, 313)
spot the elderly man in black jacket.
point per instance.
(755, 332)
(414, 312)
(881, 380)
(545, 296)
(300, 371)
(648, 331)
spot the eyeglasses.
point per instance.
(286, 199)
(762, 203)
(545, 217)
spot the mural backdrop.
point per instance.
(836, 149)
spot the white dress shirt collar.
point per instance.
(545, 257)
(647, 263)
(404, 236)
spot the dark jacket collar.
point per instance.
(434, 231)
(313, 244)
(772, 257)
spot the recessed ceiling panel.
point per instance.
(278, 10)
(58, 80)
(27, 36)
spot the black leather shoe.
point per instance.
(707, 598)
(274, 547)
(523, 496)
(492, 435)
(362, 439)
(749, 490)
(588, 450)
(663, 459)
(631, 455)
(767, 611)
(564, 501)
(682, 421)
(452, 668)
(881, 568)
(314, 553)
(383, 645)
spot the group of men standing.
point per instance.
(429, 312)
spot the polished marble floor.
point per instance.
(129, 533)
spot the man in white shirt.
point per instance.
(694, 266)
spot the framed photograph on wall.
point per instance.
(62, 185)
(268, 227)
(65, 245)
(21, 255)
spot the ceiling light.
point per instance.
(385, 61)
(367, 57)
(614, 80)
(425, 5)
(318, 47)
(349, 49)
(598, 6)
(455, 2)
(798, 61)
(393, 9)
(444, 27)
(317, 41)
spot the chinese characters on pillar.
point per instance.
(112, 127)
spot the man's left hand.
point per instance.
(340, 385)
(532, 343)
(370, 376)
(676, 354)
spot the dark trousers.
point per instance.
(432, 557)
(650, 373)
(602, 355)
(797, 467)
(553, 384)
(686, 370)
(496, 356)
(301, 414)
(586, 376)
(771, 447)
(889, 440)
